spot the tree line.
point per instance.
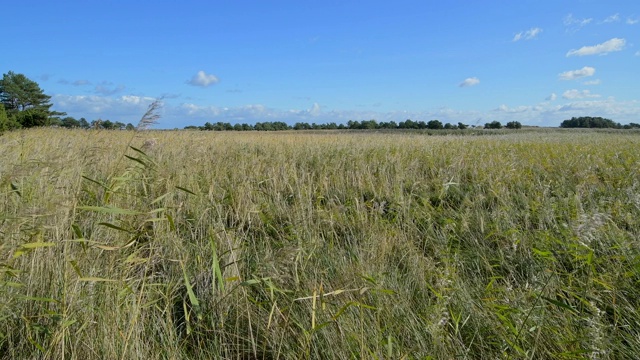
(595, 122)
(350, 125)
(82, 123)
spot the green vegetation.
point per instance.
(493, 125)
(350, 125)
(595, 122)
(513, 125)
(319, 245)
(26, 105)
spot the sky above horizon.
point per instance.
(538, 62)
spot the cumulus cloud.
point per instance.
(552, 97)
(472, 81)
(615, 44)
(578, 94)
(315, 109)
(203, 79)
(631, 21)
(129, 108)
(527, 35)
(177, 115)
(577, 74)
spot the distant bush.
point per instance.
(590, 122)
(513, 125)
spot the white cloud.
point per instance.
(578, 94)
(131, 108)
(577, 74)
(203, 79)
(472, 81)
(637, 53)
(123, 108)
(527, 35)
(575, 24)
(592, 82)
(606, 47)
(631, 21)
(611, 19)
(519, 109)
(552, 97)
(315, 110)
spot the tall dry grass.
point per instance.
(319, 245)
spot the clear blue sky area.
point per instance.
(537, 62)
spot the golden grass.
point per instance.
(319, 245)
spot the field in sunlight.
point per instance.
(313, 245)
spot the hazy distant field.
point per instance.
(319, 245)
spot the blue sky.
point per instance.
(537, 62)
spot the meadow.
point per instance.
(319, 245)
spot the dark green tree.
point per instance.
(69, 122)
(7, 122)
(493, 125)
(24, 100)
(513, 125)
(589, 122)
(301, 126)
(435, 125)
(84, 123)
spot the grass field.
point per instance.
(319, 245)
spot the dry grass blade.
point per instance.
(150, 117)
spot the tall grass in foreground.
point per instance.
(319, 246)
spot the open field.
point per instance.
(319, 245)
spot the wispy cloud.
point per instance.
(203, 79)
(637, 53)
(527, 35)
(611, 19)
(615, 44)
(552, 97)
(472, 81)
(592, 82)
(632, 21)
(575, 24)
(518, 109)
(81, 82)
(106, 89)
(578, 94)
(577, 74)
(74, 83)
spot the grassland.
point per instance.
(319, 245)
